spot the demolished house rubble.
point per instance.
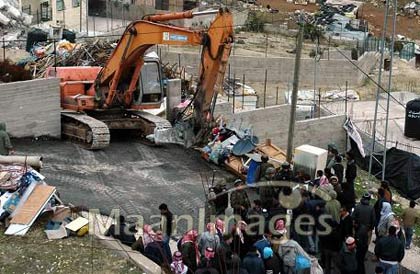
(25, 196)
(239, 151)
(12, 21)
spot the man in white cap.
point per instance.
(348, 263)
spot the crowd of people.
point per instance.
(279, 235)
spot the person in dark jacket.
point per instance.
(364, 214)
(189, 250)
(206, 270)
(264, 165)
(272, 261)
(6, 147)
(348, 257)
(208, 260)
(348, 196)
(285, 173)
(338, 169)
(390, 251)
(263, 242)
(159, 251)
(242, 242)
(123, 232)
(346, 223)
(351, 170)
(166, 220)
(330, 246)
(361, 235)
(252, 262)
(387, 191)
(224, 253)
(235, 267)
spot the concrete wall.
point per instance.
(280, 70)
(31, 108)
(367, 62)
(273, 123)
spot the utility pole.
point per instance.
(294, 94)
(80, 24)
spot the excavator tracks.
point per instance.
(87, 131)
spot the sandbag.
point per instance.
(33, 161)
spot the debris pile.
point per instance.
(12, 20)
(412, 8)
(25, 196)
(240, 152)
(11, 16)
(10, 72)
(246, 97)
(68, 54)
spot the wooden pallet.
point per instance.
(30, 210)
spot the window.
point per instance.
(60, 5)
(162, 4)
(45, 12)
(75, 3)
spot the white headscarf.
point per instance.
(386, 212)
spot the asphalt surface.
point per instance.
(128, 175)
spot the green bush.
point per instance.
(255, 22)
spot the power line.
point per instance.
(370, 78)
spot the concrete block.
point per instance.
(31, 108)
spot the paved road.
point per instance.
(128, 175)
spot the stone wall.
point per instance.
(335, 72)
(273, 123)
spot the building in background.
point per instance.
(96, 16)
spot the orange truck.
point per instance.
(96, 100)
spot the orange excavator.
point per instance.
(96, 100)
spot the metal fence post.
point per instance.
(243, 91)
(229, 81)
(345, 99)
(265, 86)
(277, 95)
(319, 103)
(55, 59)
(233, 99)
(4, 50)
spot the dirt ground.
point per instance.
(406, 26)
(34, 253)
(404, 78)
(284, 6)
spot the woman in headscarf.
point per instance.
(386, 219)
(189, 250)
(177, 266)
(148, 235)
(209, 238)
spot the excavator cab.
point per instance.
(150, 87)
